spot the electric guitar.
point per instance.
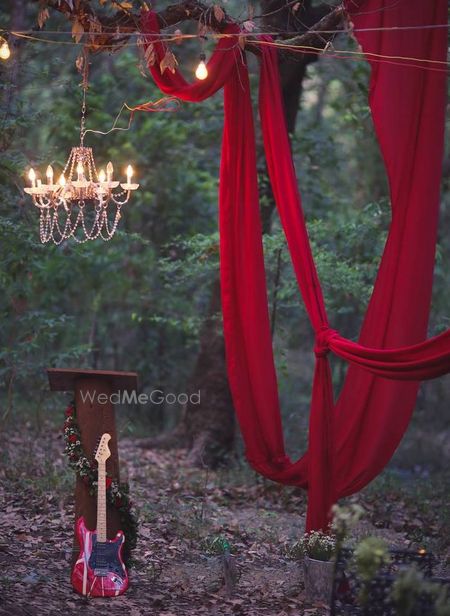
(99, 570)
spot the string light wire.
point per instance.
(219, 34)
(344, 54)
(349, 54)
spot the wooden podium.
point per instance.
(94, 417)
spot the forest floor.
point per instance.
(181, 511)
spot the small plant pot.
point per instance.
(318, 575)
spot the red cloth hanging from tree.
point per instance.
(352, 440)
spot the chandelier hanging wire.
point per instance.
(84, 204)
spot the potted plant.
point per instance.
(317, 550)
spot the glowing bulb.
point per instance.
(129, 173)
(101, 176)
(49, 174)
(32, 177)
(109, 171)
(5, 51)
(62, 180)
(201, 71)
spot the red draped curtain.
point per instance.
(350, 439)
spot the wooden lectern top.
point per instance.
(64, 379)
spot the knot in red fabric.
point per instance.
(323, 337)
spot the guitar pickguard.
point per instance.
(105, 558)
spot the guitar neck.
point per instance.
(101, 503)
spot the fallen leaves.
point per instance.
(181, 509)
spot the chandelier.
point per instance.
(84, 204)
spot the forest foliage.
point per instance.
(138, 302)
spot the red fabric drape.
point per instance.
(352, 440)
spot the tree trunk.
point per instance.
(210, 424)
(208, 428)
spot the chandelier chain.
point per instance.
(84, 85)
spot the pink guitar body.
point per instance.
(99, 570)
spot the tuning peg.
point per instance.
(97, 443)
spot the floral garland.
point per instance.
(116, 493)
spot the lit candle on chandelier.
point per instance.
(62, 180)
(32, 177)
(101, 176)
(109, 171)
(80, 171)
(49, 174)
(129, 174)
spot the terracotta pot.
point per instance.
(318, 575)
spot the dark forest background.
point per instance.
(148, 300)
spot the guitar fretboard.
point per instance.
(101, 503)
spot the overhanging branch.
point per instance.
(111, 31)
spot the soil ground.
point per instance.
(181, 511)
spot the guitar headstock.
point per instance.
(103, 452)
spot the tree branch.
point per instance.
(111, 31)
(315, 36)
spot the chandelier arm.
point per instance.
(41, 204)
(120, 203)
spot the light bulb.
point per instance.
(49, 174)
(129, 173)
(32, 176)
(5, 51)
(201, 71)
(62, 180)
(101, 176)
(109, 170)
